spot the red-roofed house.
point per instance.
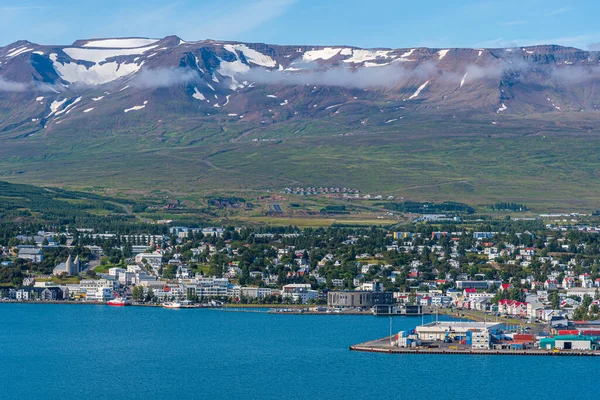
(568, 282)
(505, 286)
(551, 284)
(512, 307)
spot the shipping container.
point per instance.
(521, 337)
(568, 332)
(591, 332)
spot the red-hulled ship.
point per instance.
(119, 302)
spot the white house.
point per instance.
(32, 254)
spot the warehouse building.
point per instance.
(455, 330)
(569, 342)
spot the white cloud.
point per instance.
(512, 23)
(558, 11)
(163, 77)
(10, 86)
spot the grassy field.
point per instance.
(316, 222)
(60, 280)
(550, 166)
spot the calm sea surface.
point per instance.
(99, 352)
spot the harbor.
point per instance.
(377, 347)
(485, 338)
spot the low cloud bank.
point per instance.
(163, 77)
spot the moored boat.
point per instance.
(170, 304)
(118, 302)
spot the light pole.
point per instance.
(390, 330)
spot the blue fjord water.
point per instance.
(99, 352)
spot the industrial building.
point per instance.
(456, 330)
(569, 342)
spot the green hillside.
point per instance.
(547, 165)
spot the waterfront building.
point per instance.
(570, 342)
(358, 299)
(299, 291)
(258, 292)
(440, 330)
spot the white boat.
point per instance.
(118, 302)
(170, 304)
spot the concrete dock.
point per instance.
(383, 346)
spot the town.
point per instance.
(534, 275)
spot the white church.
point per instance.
(69, 267)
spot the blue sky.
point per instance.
(365, 23)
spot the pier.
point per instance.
(383, 346)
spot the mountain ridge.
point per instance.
(204, 70)
(218, 101)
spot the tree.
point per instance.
(555, 300)
(412, 298)
(217, 263)
(138, 293)
(127, 250)
(149, 295)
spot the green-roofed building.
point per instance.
(569, 342)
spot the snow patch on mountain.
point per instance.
(95, 75)
(372, 64)
(54, 106)
(102, 71)
(462, 81)
(418, 92)
(136, 108)
(232, 68)
(322, 54)
(68, 108)
(502, 108)
(100, 55)
(359, 55)
(18, 51)
(408, 53)
(120, 43)
(197, 95)
(442, 53)
(251, 55)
